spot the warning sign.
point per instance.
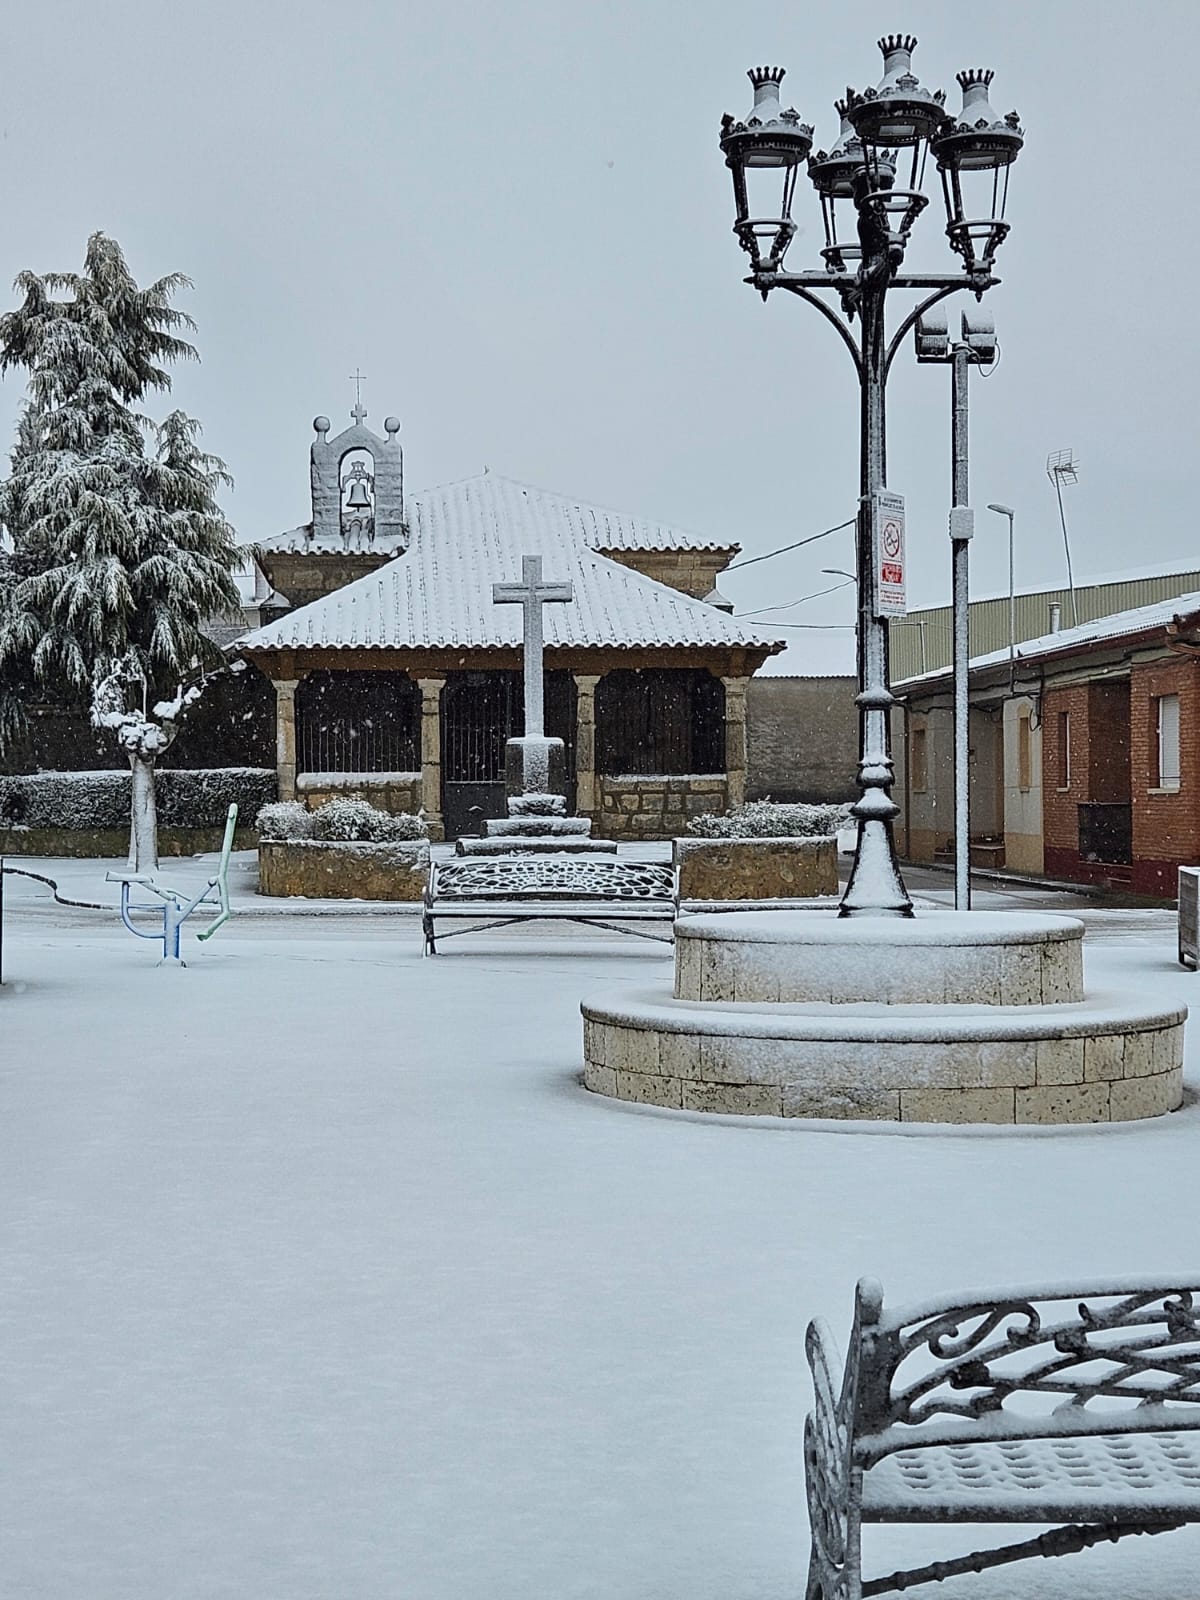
(887, 509)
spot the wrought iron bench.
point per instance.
(597, 891)
(1075, 1406)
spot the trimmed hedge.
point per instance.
(186, 798)
(770, 819)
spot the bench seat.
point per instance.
(1072, 1407)
(1119, 1475)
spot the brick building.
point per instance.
(1084, 751)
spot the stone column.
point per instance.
(586, 797)
(735, 740)
(285, 736)
(431, 754)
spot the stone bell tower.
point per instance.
(358, 506)
(357, 513)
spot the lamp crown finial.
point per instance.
(760, 75)
(842, 106)
(974, 76)
(891, 42)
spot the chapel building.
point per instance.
(398, 677)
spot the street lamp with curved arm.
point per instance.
(869, 184)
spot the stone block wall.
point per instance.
(322, 869)
(756, 869)
(394, 792)
(655, 807)
(693, 572)
(802, 739)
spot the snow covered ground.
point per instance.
(323, 1277)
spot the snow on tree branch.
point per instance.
(139, 733)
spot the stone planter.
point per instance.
(756, 869)
(320, 869)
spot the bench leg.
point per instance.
(427, 933)
(1058, 1542)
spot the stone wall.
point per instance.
(320, 869)
(693, 572)
(394, 792)
(756, 869)
(634, 807)
(802, 739)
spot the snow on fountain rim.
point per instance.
(876, 1022)
(931, 928)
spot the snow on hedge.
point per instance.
(770, 819)
(187, 798)
(341, 821)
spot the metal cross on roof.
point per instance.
(531, 594)
(358, 378)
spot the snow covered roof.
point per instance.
(1122, 624)
(599, 529)
(466, 536)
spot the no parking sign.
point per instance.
(887, 510)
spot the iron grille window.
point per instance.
(358, 722)
(661, 721)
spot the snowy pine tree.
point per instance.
(120, 549)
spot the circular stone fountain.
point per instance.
(950, 1017)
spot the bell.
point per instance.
(359, 498)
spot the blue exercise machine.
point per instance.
(174, 907)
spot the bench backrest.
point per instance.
(548, 878)
(1121, 1356)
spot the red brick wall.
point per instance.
(1166, 827)
(1059, 807)
(1108, 742)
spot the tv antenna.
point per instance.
(1060, 469)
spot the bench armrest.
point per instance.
(828, 1450)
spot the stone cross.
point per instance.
(531, 594)
(359, 414)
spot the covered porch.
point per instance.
(651, 737)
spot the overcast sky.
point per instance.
(515, 218)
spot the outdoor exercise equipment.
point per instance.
(172, 906)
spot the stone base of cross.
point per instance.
(533, 765)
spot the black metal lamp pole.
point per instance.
(879, 127)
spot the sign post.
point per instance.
(887, 509)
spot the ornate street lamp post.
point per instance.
(886, 134)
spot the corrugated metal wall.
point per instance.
(921, 642)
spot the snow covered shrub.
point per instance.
(537, 805)
(285, 819)
(196, 798)
(769, 819)
(406, 825)
(200, 797)
(66, 800)
(347, 821)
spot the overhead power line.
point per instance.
(783, 549)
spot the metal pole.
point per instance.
(875, 887)
(1062, 517)
(1012, 612)
(960, 546)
